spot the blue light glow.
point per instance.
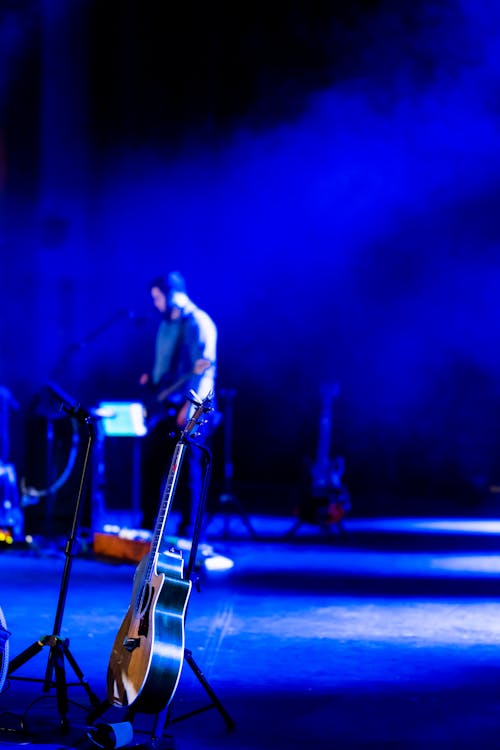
(354, 241)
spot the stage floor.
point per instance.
(385, 637)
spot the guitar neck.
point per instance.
(166, 502)
(202, 408)
(329, 392)
(325, 437)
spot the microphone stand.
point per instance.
(55, 673)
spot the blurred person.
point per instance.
(184, 360)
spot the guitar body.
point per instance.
(148, 652)
(329, 497)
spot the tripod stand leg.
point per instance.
(55, 672)
(94, 700)
(188, 655)
(237, 508)
(246, 521)
(55, 666)
(25, 656)
(159, 726)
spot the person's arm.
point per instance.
(200, 367)
(203, 347)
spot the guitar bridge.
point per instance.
(131, 643)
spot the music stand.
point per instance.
(55, 673)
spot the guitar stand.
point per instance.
(317, 513)
(163, 719)
(228, 498)
(188, 654)
(59, 652)
(329, 529)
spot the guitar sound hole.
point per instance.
(145, 600)
(144, 609)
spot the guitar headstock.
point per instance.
(198, 418)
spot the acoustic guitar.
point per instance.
(148, 652)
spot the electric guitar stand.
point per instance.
(59, 652)
(227, 499)
(335, 529)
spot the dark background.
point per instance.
(325, 174)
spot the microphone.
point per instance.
(68, 404)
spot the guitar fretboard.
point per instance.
(166, 501)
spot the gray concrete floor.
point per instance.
(385, 638)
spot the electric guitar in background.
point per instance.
(148, 652)
(327, 499)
